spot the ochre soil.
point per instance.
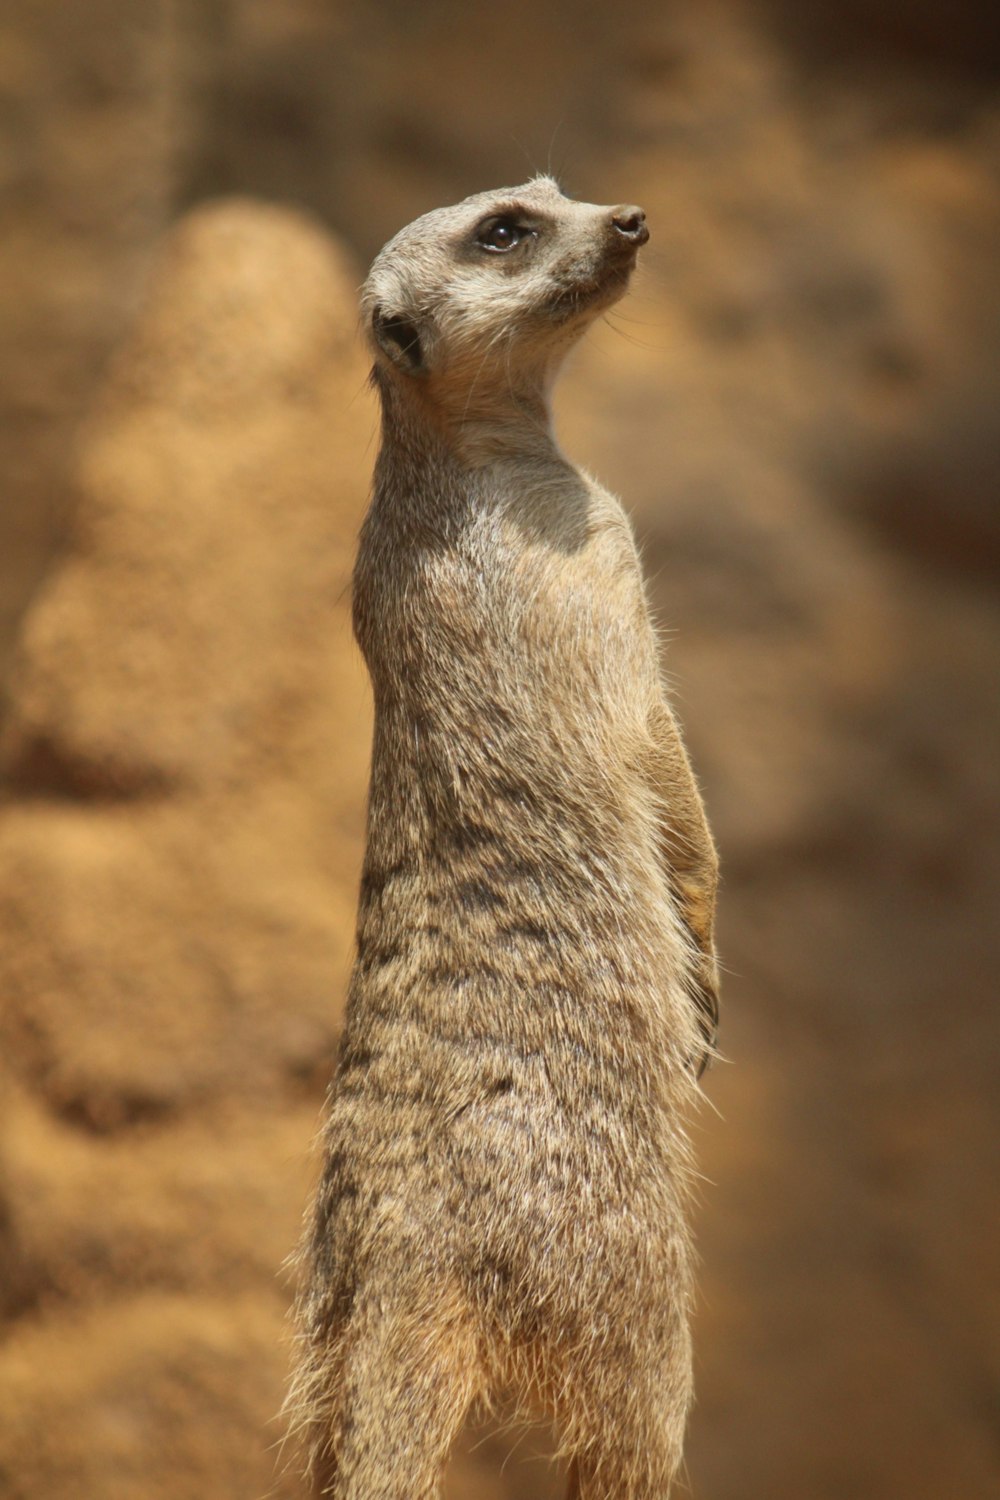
(796, 402)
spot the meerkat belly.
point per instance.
(498, 1004)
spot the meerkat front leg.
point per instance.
(689, 857)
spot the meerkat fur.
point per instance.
(506, 1165)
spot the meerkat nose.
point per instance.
(630, 222)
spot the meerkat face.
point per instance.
(495, 289)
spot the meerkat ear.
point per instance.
(398, 338)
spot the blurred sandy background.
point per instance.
(798, 403)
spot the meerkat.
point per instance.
(502, 1202)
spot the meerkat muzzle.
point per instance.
(628, 222)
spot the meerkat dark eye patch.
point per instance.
(399, 339)
(502, 232)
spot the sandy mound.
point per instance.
(187, 743)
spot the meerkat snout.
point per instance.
(629, 221)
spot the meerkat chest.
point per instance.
(536, 585)
(506, 597)
(579, 601)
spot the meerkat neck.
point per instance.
(425, 433)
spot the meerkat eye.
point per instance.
(500, 235)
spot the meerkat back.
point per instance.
(502, 1203)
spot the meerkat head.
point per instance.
(483, 300)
